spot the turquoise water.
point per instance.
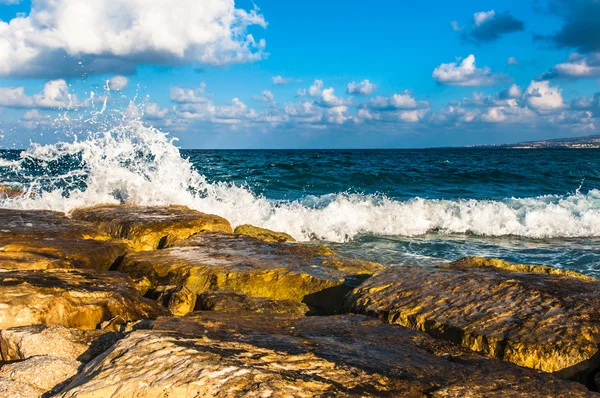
(392, 206)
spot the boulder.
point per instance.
(233, 302)
(16, 389)
(73, 344)
(71, 298)
(44, 239)
(148, 227)
(532, 316)
(263, 234)
(42, 372)
(217, 354)
(314, 275)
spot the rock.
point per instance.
(71, 298)
(313, 275)
(149, 228)
(45, 239)
(16, 389)
(259, 355)
(28, 341)
(542, 320)
(263, 234)
(182, 301)
(42, 372)
(233, 302)
(7, 192)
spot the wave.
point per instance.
(135, 164)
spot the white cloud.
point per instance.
(455, 26)
(363, 88)
(33, 119)
(316, 89)
(74, 36)
(265, 96)
(481, 17)
(117, 83)
(512, 92)
(281, 81)
(512, 61)
(54, 95)
(542, 97)
(466, 74)
(576, 66)
(395, 102)
(189, 96)
(153, 111)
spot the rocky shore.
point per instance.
(128, 301)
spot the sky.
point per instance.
(310, 74)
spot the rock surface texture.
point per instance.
(263, 234)
(148, 228)
(47, 239)
(522, 314)
(221, 354)
(310, 274)
(71, 298)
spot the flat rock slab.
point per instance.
(46, 239)
(28, 341)
(311, 274)
(231, 355)
(71, 298)
(233, 302)
(42, 372)
(537, 319)
(150, 227)
(263, 234)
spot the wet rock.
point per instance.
(7, 192)
(230, 355)
(529, 316)
(16, 389)
(45, 239)
(149, 228)
(71, 298)
(233, 302)
(263, 234)
(42, 372)
(28, 341)
(313, 275)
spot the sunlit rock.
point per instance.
(45, 372)
(532, 316)
(148, 228)
(263, 234)
(232, 302)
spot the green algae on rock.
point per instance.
(71, 298)
(151, 227)
(207, 262)
(536, 318)
(263, 234)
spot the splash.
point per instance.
(136, 164)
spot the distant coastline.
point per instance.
(587, 142)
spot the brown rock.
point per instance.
(42, 372)
(208, 262)
(542, 320)
(230, 355)
(27, 341)
(45, 239)
(233, 302)
(16, 389)
(10, 192)
(71, 298)
(263, 234)
(149, 228)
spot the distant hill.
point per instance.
(590, 141)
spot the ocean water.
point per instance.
(395, 207)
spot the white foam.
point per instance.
(140, 165)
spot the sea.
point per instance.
(392, 206)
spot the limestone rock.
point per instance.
(16, 389)
(45, 239)
(27, 341)
(233, 302)
(263, 234)
(10, 192)
(230, 355)
(42, 372)
(310, 274)
(149, 228)
(182, 302)
(71, 298)
(542, 320)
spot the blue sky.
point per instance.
(425, 74)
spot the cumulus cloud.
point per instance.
(395, 102)
(542, 97)
(117, 83)
(489, 26)
(591, 105)
(181, 95)
(152, 111)
(466, 73)
(73, 37)
(576, 66)
(281, 81)
(512, 92)
(33, 119)
(326, 96)
(580, 29)
(265, 96)
(362, 88)
(54, 95)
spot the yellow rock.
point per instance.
(148, 228)
(182, 302)
(263, 234)
(71, 298)
(279, 271)
(532, 316)
(10, 192)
